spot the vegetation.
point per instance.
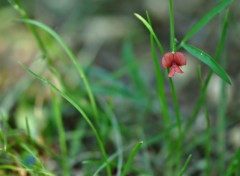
(71, 117)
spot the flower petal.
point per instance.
(177, 69)
(167, 60)
(179, 59)
(172, 72)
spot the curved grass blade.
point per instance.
(84, 115)
(185, 165)
(202, 22)
(160, 80)
(234, 165)
(203, 91)
(118, 137)
(149, 27)
(131, 157)
(57, 106)
(73, 59)
(20, 169)
(209, 61)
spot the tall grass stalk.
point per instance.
(73, 59)
(172, 35)
(163, 99)
(185, 165)
(207, 130)
(118, 138)
(208, 143)
(200, 101)
(84, 115)
(30, 24)
(160, 79)
(174, 95)
(61, 134)
(45, 54)
(131, 157)
(221, 123)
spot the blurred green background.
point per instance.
(100, 33)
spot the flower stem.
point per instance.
(61, 134)
(174, 95)
(172, 37)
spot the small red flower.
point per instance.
(173, 61)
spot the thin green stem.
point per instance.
(160, 87)
(179, 123)
(74, 60)
(131, 157)
(234, 165)
(185, 165)
(176, 106)
(149, 27)
(80, 110)
(30, 23)
(172, 35)
(208, 143)
(28, 130)
(61, 133)
(200, 100)
(118, 138)
(17, 5)
(221, 125)
(160, 82)
(162, 98)
(207, 130)
(174, 95)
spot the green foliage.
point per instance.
(206, 18)
(111, 114)
(208, 60)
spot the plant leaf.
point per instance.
(149, 27)
(72, 57)
(80, 110)
(202, 22)
(185, 165)
(131, 157)
(209, 61)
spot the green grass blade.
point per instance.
(149, 27)
(132, 65)
(131, 157)
(202, 22)
(116, 130)
(234, 165)
(221, 125)
(221, 42)
(28, 130)
(172, 33)
(3, 136)
(61, 134)
(75, 104)
(185, 165)
(179, 146)
(178, 149)
(160, 81)
(111, 158)
(73, 59)
(222, 121)
(209, 61)
(217, 54)
(17, 5)
(41, 43)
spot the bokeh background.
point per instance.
(99, 32)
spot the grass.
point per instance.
(98, 125)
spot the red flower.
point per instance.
(173, 61)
